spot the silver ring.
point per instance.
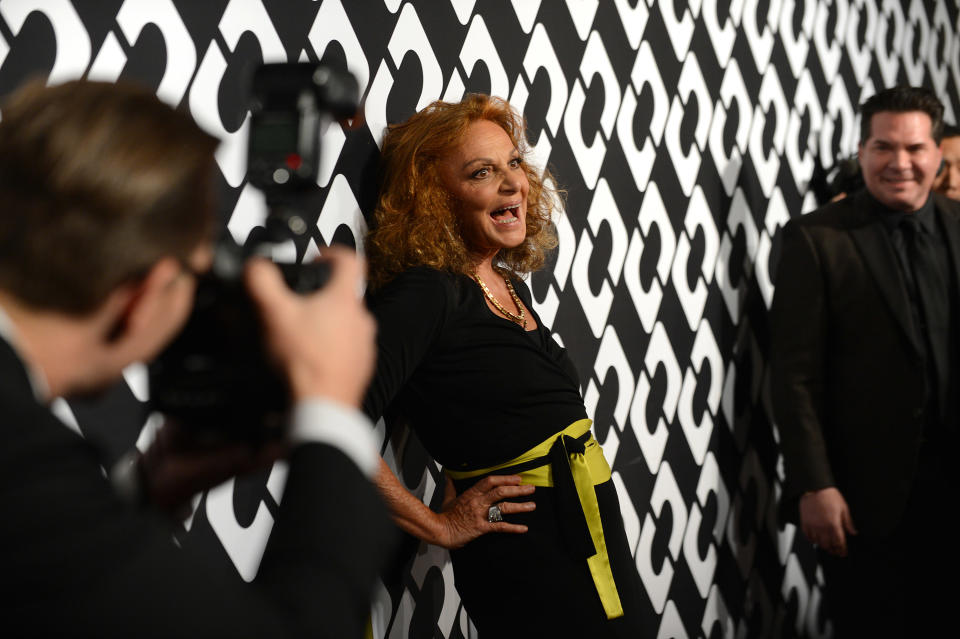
(493, 514)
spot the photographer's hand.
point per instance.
(181, 463)
(323, 341)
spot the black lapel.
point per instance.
(949, 212)
(868, 234)
(12, 370)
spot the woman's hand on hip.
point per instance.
(464, 516)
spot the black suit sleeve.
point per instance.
(78, 561)
(798, 342)
(331, 542)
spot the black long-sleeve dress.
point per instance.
(480, 390)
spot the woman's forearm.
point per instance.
(408, 512)
(464, 517)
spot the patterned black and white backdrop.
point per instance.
(686, 134)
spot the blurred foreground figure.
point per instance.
(866, 381)
(948, 180)
(105, 223)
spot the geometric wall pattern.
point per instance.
(686, 135)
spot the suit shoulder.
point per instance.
(833, 215)
(947, 205)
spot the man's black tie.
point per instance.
(931, 289)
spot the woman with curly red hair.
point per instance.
(531, 515)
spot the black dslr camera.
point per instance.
(216, 376)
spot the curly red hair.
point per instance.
(415, 223)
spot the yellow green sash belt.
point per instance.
(572, 463)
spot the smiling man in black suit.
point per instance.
(106, 215)
(864, 376)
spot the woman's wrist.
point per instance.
(441, 534)
(430, 527)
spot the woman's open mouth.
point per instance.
(507, 215)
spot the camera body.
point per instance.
(216, 376)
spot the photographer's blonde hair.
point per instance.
(97, 182)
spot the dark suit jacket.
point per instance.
(847, 376)
(77, 561)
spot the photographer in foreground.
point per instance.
(105, 221)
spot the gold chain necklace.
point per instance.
(520, 319)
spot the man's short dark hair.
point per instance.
(97, 182)
(950, 131)
(903, 99)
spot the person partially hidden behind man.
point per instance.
(105, 217)
(865, 379)
(948, 179)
